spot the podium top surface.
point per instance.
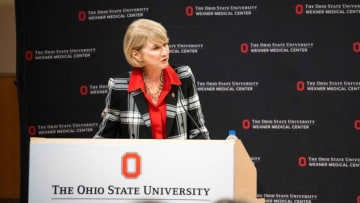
(34, 140)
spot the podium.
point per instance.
(120, 170)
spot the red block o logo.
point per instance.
(244, 48)
(246, 124)
(357, 124)
(300, 85)
(302, 161)
(32, 130)
(83, 90)
(299, 9)
(29, 55)
(358, 199)
(356, 47)
(125, 171)
(82, 15)
(189, 11)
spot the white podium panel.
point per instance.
(116, 170)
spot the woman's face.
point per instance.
(154, 55)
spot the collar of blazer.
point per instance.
(135, 89)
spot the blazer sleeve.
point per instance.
(194, 108)
(110, 124)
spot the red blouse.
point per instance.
(157, 111)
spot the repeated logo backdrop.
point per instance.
(285, 75)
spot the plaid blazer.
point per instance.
(126, 114)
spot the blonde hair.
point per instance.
(138, 33)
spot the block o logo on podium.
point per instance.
(126, 172)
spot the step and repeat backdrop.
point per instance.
(284, 74)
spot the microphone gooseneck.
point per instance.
(189, 115)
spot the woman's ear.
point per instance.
(136, 55)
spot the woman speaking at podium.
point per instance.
(155, 100)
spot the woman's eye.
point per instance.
(156, 47)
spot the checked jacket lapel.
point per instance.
(171, 106)
(141, 104)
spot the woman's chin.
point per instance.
(164, 65)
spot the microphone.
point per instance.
(189, 115)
